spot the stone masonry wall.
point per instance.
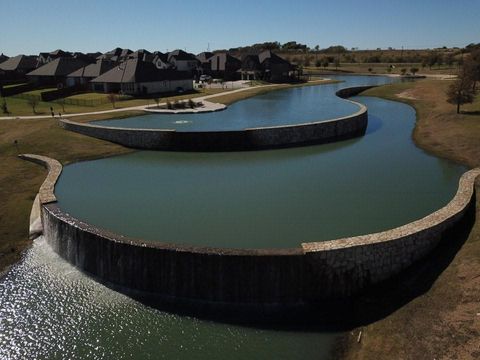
(248, 139)
(248, 277)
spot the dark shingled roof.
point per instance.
(181, 55)
(272, 58)
(219, 61)
(93, 70)
(58, 67)
(19, 62)
(251, 62)
(3, 58)
(204, 56)
(135, 70)
(60, 53)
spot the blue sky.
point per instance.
(31, 26)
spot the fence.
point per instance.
(69, 101)
(16, 90)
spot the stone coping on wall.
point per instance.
(254, 138)
(206, 108)
(457, 205)
(46, 193)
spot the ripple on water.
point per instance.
(50, 310)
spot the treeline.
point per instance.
(464, 89)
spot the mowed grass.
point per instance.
(228, 99)
(431, 311)
(21, 107)
(20, 180)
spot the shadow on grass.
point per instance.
(466, 112)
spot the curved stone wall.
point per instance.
(249, 278)
(247, 139)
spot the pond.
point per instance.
(284, 107)
(280, 198)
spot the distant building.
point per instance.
(183, 61)
(55, 72)
(85, 74)
(3, 58)
(225, 66)
(136, 77)
(160, 60)
(142, 54)
(266, 66)
(20, 64)
(16, 67)
(274, 67)
(45, 58)
(117, 55)
(204, 63)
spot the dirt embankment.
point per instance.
(433, 310)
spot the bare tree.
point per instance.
(471, 66)
(33, 102)
(413, 70)
(112, 98)
(5, 107)
(403, 71)
(62, 104)
(461, 90)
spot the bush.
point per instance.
(169, 105)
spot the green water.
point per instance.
(50, 310)
(292, 106)
(261, 199)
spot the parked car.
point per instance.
(205, 77)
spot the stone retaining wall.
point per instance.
(247, 139)
(248, 278)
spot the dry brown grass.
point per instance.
(440, 318)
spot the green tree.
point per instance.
(461, 91)
(471, 65)
(403, 71)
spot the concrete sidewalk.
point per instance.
(132, 108)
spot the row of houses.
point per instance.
(141, 72)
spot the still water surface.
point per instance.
(50, 310)
(262, 199)
(292, 106)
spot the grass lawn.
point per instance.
(430, 311)
(228, 99)
(20, 180)
(20, 107)
(382, 68)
